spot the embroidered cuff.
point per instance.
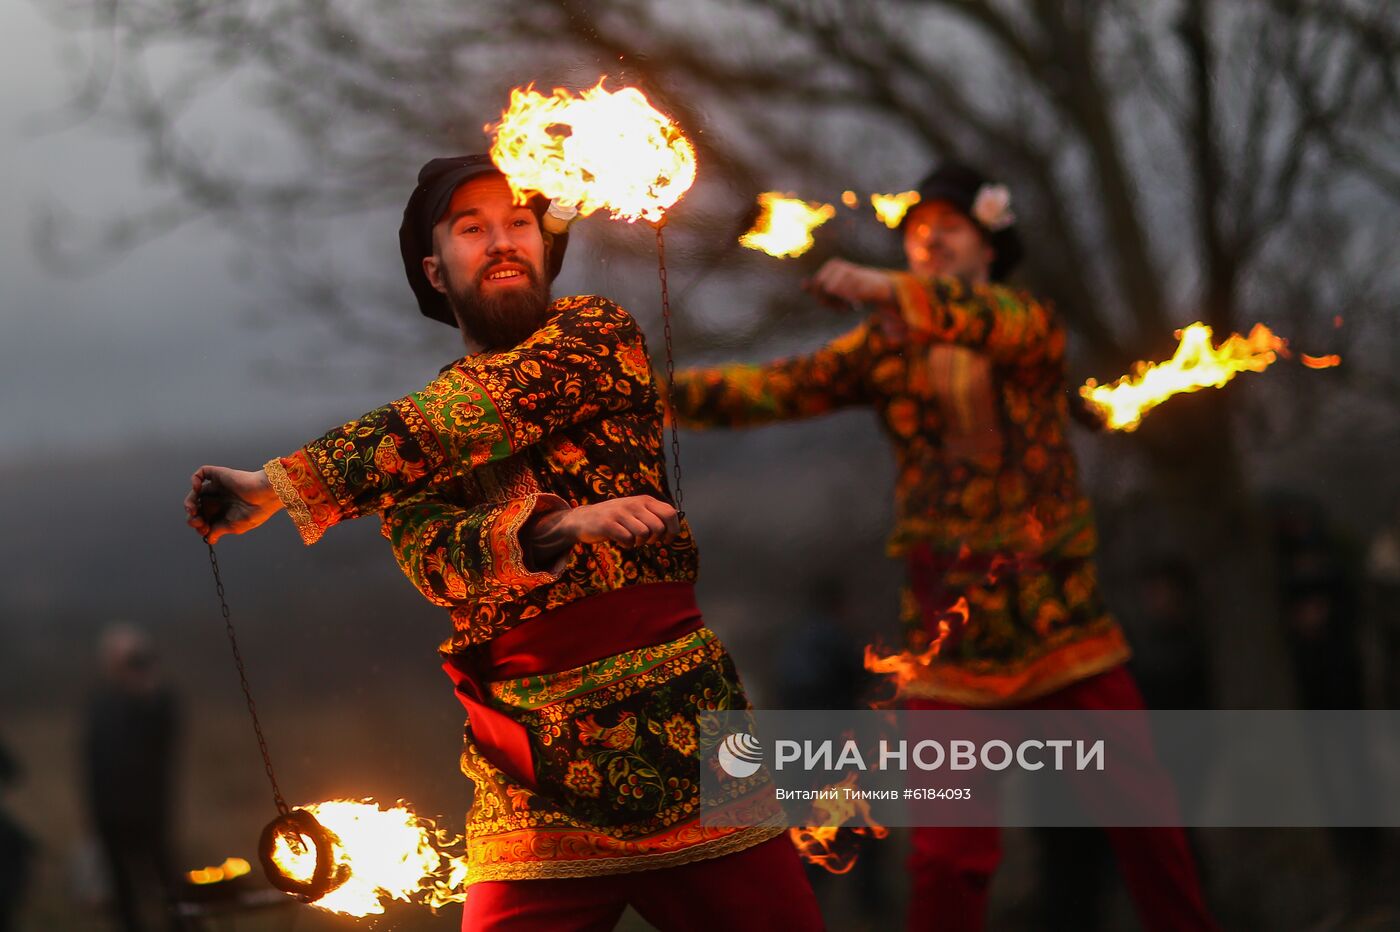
(296, 505)
(501, 538)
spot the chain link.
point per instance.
(670, 366)
(282, 807)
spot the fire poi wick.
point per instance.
(298, 826)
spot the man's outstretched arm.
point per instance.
(741, 395)
(590, 358)
(1008, 325)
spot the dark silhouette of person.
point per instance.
(16, 850)
(1171, 663)
(129, 746)
(1319, 589)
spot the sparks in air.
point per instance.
(597, 150)
(891, 208)
(231, 869)
(391, 854)
(1195, 365)
(785, 224)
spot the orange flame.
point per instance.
(785, 224)
(1195, 365)
(392, 854)
(906, 666)
(1320, 362)
(850, 199)
(816, 843)
(891, 208)
(598, 150)
(231, 869)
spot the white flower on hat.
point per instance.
(992, 207)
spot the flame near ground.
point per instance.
(817, 844)
(391, 854)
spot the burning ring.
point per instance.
(300, 827)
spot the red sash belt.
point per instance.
(570, 636)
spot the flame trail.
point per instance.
(891, 208)
(906, 666)
(392, 854)
(1195, 365)
(231, 869)
(816, 844)
(785, 224)
(598, 150)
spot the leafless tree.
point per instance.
(1173, 160)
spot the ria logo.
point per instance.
(740, 755)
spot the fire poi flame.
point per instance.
(391, 854)
(816, 843)
(785, 224)
(598, 150)
(891, 208)
(906, 666)
(1320, 362)
(1194, 365)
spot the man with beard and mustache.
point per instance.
(967, 377)
(525, 490)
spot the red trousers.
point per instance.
(759, 889)
(951, 867)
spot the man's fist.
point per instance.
(854, 284)
(229, 501)
(628, 522)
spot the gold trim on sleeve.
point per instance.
(291, 498)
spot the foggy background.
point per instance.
(200, 264)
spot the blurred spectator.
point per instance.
(16, 850)
(820, 665)
(1318, 601)
(128, 757)
(1383, 591)
(1171, 659)
(1320, 608)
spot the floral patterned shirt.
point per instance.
(568, 417)
(968, 382)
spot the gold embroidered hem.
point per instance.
(617, 765)
(1054, 670)
(502, 540)
(733, 841)
(296, 507)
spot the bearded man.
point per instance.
(525, 490)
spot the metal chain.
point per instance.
(282, 807)
(670, 366)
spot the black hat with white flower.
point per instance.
(985, 203)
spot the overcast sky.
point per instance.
(157, 345)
